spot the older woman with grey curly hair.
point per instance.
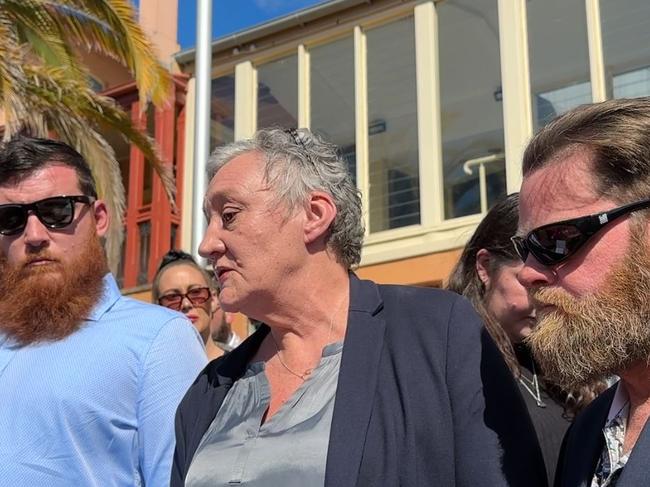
(346, 382)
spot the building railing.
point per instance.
(481, 162)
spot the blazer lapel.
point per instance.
(586, 443)
(636, 473)
(209, 390)
(356, 384)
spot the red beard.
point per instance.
(50, 302)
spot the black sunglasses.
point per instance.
(196, 296)
(55, 212)
(553, 243)
(295, 135)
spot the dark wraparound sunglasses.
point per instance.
(55, 212)
(196, 296)
(553, 243)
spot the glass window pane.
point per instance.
(122, 150)
(332, 96)
(559, 57)
(277, 93)
(174, 234)
(394, 195)
(626, 41)
(222, 111)
(632, 84)
(471, 106)
(120, 268)
(147, 190)
(144, 230)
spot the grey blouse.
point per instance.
(288, 450)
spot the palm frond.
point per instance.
(44, 87)
(12, 77)
(67, 94)
(35, 27)
(110, 27)
(51, 114)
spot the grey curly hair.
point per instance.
(298, 162)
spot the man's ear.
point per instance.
(483, 266)
(320, 213)
(214, 304)
(102, 219)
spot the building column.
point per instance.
(515, 81)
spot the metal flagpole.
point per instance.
(203, 77)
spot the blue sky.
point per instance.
(230, 16)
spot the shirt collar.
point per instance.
(110, 295)
(621, 399)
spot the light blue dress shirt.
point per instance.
(97, 408)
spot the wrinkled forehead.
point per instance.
(563, 189)
(238, 179)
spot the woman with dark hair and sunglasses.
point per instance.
(486, 274)
(182, 285)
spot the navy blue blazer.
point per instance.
(584, 442)
(423, 398)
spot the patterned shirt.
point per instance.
(612, 459)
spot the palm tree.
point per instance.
(45, 88)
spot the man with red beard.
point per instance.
(90, 380)
(584, 234)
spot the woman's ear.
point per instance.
(321, 212)
(214, 303)
(483, 266)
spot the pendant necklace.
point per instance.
(532, 386)
(305, 375)
(302, 376)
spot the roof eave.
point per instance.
(271, 27)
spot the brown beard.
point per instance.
(583, 340)
(51, 302)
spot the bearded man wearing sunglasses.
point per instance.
(584, 235)
(90, 380)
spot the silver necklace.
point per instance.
(532, 386)
(307, 372)
(302, 376)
